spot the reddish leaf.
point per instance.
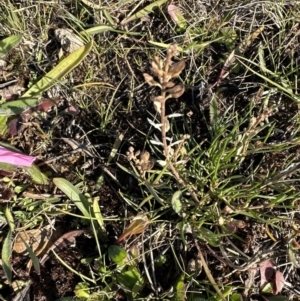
(46, 104)
(267, 272)
(269, 275)
(13, 127)
(72, 110)
(224, 72)
(278, 283)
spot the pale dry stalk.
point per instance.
(165, 71)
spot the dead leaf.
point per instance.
(176, 68)
(235, 224)
(150, 80)
(138, 225)
(176, 91)
(37, 239)
(170, 84)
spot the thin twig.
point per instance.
(207, 271)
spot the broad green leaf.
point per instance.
(16, 107)
(36, 175)
(117, 254)
(236, 297)
(7, 167)
(139, 284)
(3, 125)
(74, 195)
(8, 43)
(62, 69)
(9, 219)
(82, 290)
(229, 37)
(144, 12)
(179, 289)
(130, 278)
(176, 203)
(5, 256)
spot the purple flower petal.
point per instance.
(7, 156)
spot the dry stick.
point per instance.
(207, 272)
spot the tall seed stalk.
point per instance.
(165, 71)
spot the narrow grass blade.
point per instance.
(213, 110)
(99, 218)
(144, 12)
(108, 17)
(164, 45)
(9, 43)
(74, 194)
(63, 68)
(102, 28)
(285, 90)
(32, 256)
(5, 256)
(115, 148)
(72, 270)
